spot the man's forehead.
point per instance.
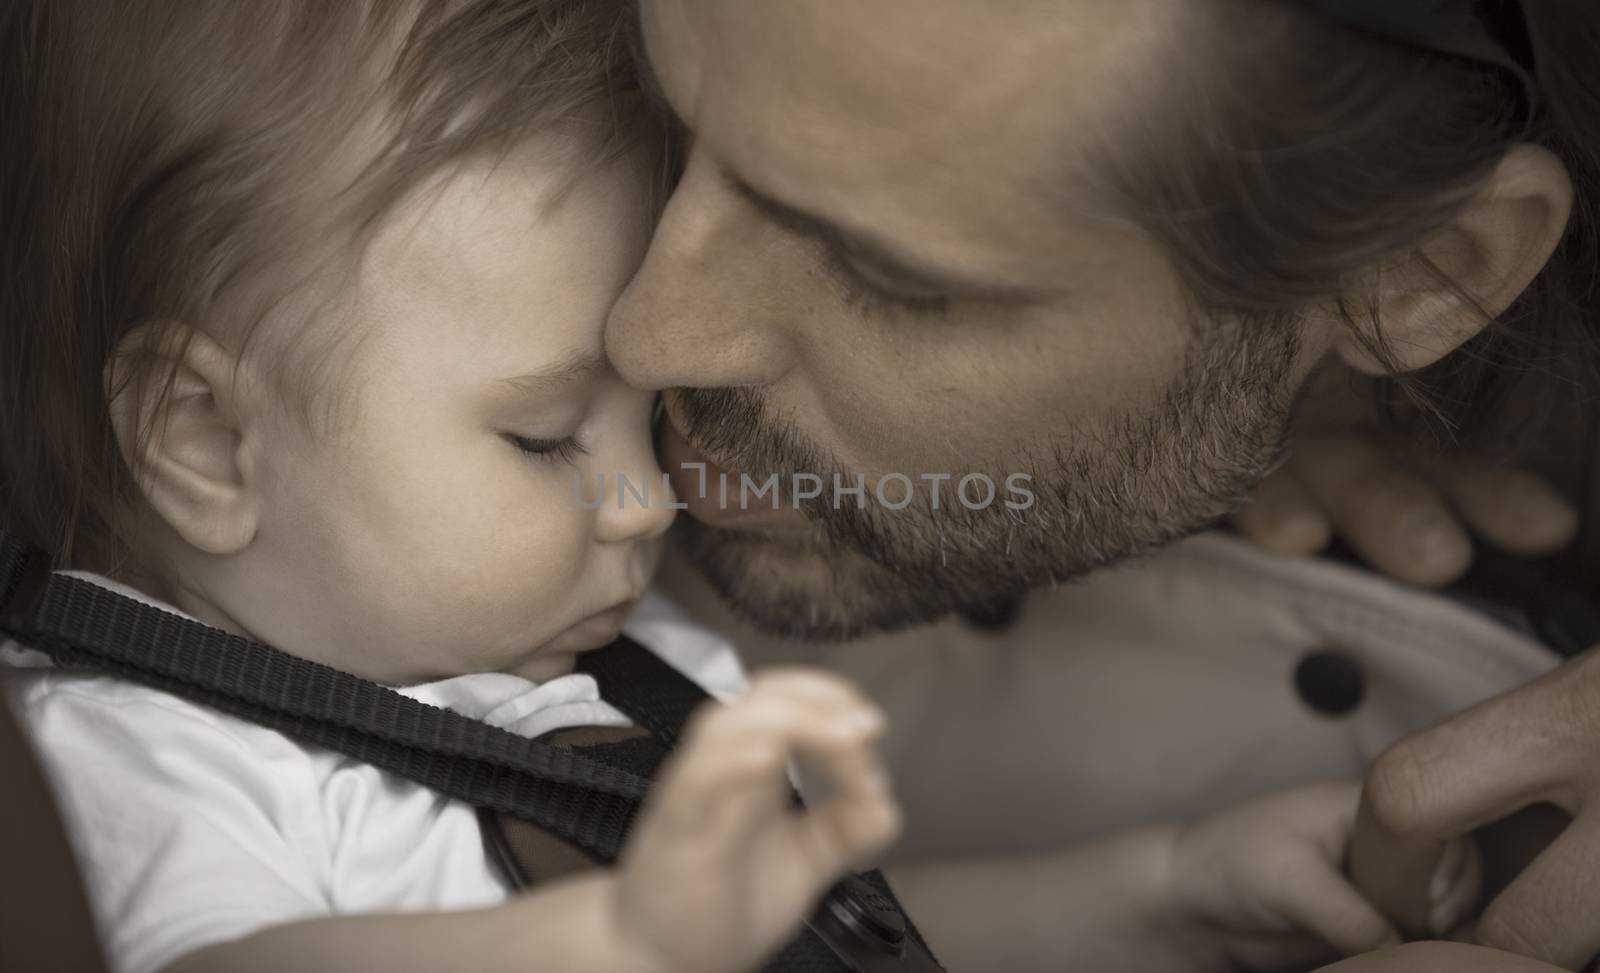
(831, 102)
(906, 63)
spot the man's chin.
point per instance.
(798, 584)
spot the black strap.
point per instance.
(82, 625)
(644, 687)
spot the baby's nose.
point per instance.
(637, 505)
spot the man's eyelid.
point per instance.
(872, 262)
(890, 279)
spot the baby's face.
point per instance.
(437, 529)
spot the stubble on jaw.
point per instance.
(1134, 484)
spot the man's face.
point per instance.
(887, 255)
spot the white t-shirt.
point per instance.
(193, 827)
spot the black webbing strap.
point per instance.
(81, 625)
(644, 688)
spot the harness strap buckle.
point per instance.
(868, 933)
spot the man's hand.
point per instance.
(1411, 512)
(1537, 744)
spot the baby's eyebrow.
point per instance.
(570, 369)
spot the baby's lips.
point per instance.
(1454, 889)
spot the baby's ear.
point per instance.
(176, 411)
(1485, 258)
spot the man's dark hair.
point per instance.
(1319, 152)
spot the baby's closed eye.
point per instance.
(565, 449)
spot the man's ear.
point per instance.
(1487, 257)
(188, 447)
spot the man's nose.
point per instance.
(706, 310)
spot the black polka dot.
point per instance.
(1330, 682)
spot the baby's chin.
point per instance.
(546, 665)
(557, 656)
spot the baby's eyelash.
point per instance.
(566, 449)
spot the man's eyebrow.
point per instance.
(863, 249)
(571, 369)
(914, 274)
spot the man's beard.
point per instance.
(1100, 495)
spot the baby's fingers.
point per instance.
(854, 817)
(829, 726)
(1456, 886)
(734, 758)
(857, 822)
(1325, 904)
(798, 708)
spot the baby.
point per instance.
(343, 267)
(303, 339)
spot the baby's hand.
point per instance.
(721, 868)
(1262, 887)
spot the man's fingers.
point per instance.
(1283, 517)
(1513, 510)
(1409, 519)
(1422, 793)
(1551, 912)
(1395, 518)
(1531, 745)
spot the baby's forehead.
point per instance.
(471, 227)
(504, 266)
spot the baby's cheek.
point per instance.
(541, 560)
(649, 556)
(487, 572)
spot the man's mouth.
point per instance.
(713, 495)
